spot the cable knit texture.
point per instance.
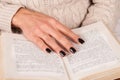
(69, 12)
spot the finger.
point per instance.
(65, 30)
(40, 43)
(51, 43)
(61, 39)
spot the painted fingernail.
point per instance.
(48, 50)
(73, 50)
(81, 40)
(62, 53)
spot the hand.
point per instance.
(46, 32)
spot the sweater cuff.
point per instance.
(6, 14)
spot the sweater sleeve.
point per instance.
(7, 11)
(103, 10)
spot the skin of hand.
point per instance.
(46, 32)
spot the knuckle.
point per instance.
(65, 41)
(48, 39)
(29, 35)
(67, 44)
(45, 37)
(57, 48)
(36, 40)
(58, 35)
(39, 42)
(52, 20)
(37, 31)
(44, 24)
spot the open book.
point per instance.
(23, 60)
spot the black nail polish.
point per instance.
(48, 50)
(62, 53)
(81, 40)
(73, 50)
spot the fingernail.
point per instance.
(73, 50)
(62, 53)
(81, 40)
(48, 50)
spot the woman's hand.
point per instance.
(46, 32)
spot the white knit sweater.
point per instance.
(69, 12)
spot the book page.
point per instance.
(94, 55)
(24, 59)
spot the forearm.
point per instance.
(7, 11)
(102, 10)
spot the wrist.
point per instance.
(16, 20)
